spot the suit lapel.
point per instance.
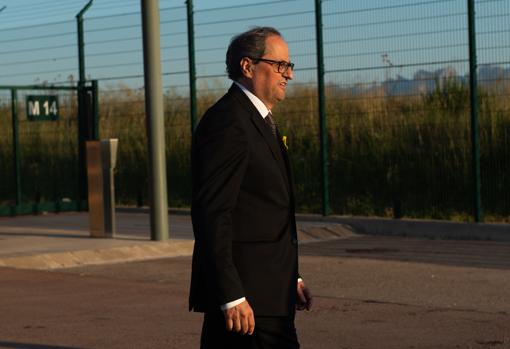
(263, 129)
(274, 145)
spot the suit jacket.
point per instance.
(242, 212)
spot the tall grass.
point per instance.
(389, 155)
(402, 155)
(48, 155)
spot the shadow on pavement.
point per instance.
(478, 254)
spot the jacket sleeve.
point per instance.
(220, 158)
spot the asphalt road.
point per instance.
(370, 292)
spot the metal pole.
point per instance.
(155, 119)
(15, 146)
(192, 72)
(326, 210)
(475, 131)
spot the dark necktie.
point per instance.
(270, 122)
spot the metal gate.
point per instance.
(43, 130)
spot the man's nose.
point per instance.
(289, 74)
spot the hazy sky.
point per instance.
(366, 41)
(28, 12)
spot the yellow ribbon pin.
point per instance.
(284, 139)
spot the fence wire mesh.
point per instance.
(397, 97)
(47, 151)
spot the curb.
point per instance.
(430, 229)
(422, 228)
(143, 251)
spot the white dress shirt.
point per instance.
(257, 103)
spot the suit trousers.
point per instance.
(271, 332)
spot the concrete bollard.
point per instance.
(101, 163)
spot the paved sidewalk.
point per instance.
(52, 241)
(62, 240)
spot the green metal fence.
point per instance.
(382, 127)
(41, 163)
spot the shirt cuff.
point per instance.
(299, 280)
(233, 303)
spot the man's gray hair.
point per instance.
(251, 43)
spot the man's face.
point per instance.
(267, 83)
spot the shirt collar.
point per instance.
(261, 107)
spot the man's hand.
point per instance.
(304, 297)
(240, 318)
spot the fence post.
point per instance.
(81, 50)
(15, 147)
(475, 131)
(95, 108)
(192, 72)
(82, 123)
(322, 110)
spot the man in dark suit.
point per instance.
(245, 262)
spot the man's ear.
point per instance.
(247, 67)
